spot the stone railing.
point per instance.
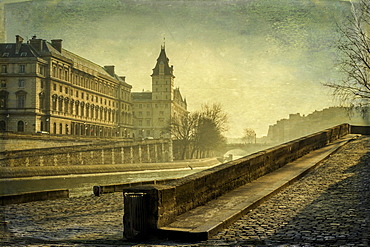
(165, 202)
(149, 151)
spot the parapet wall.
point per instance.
(165, 202)
(149, 151)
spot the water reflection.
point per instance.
(81, 185)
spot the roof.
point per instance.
(9, 50)
(163, 59)
(142, 96)
(45, 48)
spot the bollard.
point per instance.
(97, 190)
(135, 221)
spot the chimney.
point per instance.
(36, 43)
(57, 44)
(18, 43)
(123, 78)
(110, 69)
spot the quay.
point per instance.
(328, 207)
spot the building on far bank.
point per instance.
(153, 111)
(297, 126)
(45, 88)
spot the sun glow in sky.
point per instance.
(260, 59)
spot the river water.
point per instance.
(82, 185)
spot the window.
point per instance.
(21, 99)
(66, 90)
(55, 87)
(20, 126)
(21, 83)
(3, 99)
(3, 83)
(2, 126)
(140, 122)
(148, 113)
(42, 84)
(6, 54)
(60, 89)
(140, 113)
(23, 54)
(22, 68)
(4, 69)
(147, 122)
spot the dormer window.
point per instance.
(6, 54)
(23, 54)
(8, 46)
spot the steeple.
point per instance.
(162, 67)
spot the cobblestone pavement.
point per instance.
(328, 207)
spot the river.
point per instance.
(82, 185)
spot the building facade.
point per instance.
(45, 88)
(154, 110)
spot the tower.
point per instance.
(162, 78)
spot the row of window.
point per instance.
(92, 83)
(21, 83)
(140, 106)
(148, 113)
(21, 69)
(20, 99)
(82, 109)
(76, 93)
(148, 122)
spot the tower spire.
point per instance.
(164, 43)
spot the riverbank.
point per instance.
(327, 207)
(32, 171)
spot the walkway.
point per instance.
(328, 207)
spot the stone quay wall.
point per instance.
(148, 151)
(165, 202)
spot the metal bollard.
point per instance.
(135, 221)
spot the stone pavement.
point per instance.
(328, 207)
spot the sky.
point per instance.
(260, 59)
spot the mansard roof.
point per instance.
(10, 50)
(163, 59)
(40, 48)
(140, 96)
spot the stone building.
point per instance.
(45, 88)
(154, 110)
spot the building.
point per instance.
(45, 88)
(154, 110)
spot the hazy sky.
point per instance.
(261, 59)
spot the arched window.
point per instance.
(2, 126)
(42, 100)
(20, 126)
(3, 99)
(60, 103)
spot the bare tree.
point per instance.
(183, 129)
(354, 49)
(200, 133)
(249, 135)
